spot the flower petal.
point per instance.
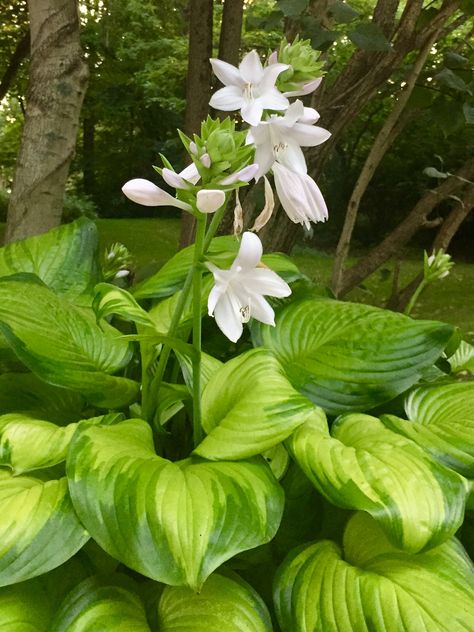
(251, 69)
(265, 281)
(267, 210)
(209, 200)
(310, 116)
(250, 253)
(261, 310)
(228, 316)
(273, 100)
(227, 99)
(270, 75)
(214, 296)
(146, 193)
(173, 179)
(309, 135)
(265, 158)
(227, 74)
(190, 173)
(251, 111)
(243, 175)
(292, 157)
(305, 88)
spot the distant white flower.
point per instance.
(209, 200)
(238, 293)
(148, 194)
(249, 88)
(300, 196)
(280, 138)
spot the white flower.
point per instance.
(249, 88)
(300, 196)
(148, 194)
(209, 200)
(238, 293)
(280, 138)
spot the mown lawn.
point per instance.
(451, 300)
(154, 241)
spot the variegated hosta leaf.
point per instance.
(64, 258)
(223, 604)
(209, 366)
(462, 361)
(30, 444)
(370, 587)
(110, 299)
(39, 529)
(26, 393)
(62, 343)
(441, 420)
(25, 607)
(348, 357)
(363, 465)
(101, 604)
(174, 522)
(248, 407)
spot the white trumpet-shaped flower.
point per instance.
(238, 293)
(148, 194)
(300, 196)
(280, 138)
(249, 88)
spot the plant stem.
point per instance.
(197, 284)
(414, 298)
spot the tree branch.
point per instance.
(21, 51)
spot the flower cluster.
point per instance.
(278, 138)
(223, 159)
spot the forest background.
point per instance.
(397, 97)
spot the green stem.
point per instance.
(197, 290)
(415, 297)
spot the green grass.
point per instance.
(154, 241)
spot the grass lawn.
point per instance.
(154, 241)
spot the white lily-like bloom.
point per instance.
(249, 88)
(146, 193)
(280, 138)
(238, 293)
(299, 195)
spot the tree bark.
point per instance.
(365, 73)
(198, 85)
(231, 31)
(384, 139)
(57, 83)
(416, 219)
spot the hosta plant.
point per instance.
(222, 446)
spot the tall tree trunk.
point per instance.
(231, 31)
(198, 85)
(57, 83)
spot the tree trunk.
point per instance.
(198, 85)
(57, 83)
(231, 31)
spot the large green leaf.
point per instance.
(363, 465)
(367, 586)
(174, 522)
(62, 343)
(39, 529)
(29, 444)
(223, 603)
(101, 604)
(348, 357)
(249, 406)
(441, 420)
(25, 393)
(65, 258)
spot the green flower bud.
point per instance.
(303, 62)
(436, 266)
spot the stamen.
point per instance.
(245, 313)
